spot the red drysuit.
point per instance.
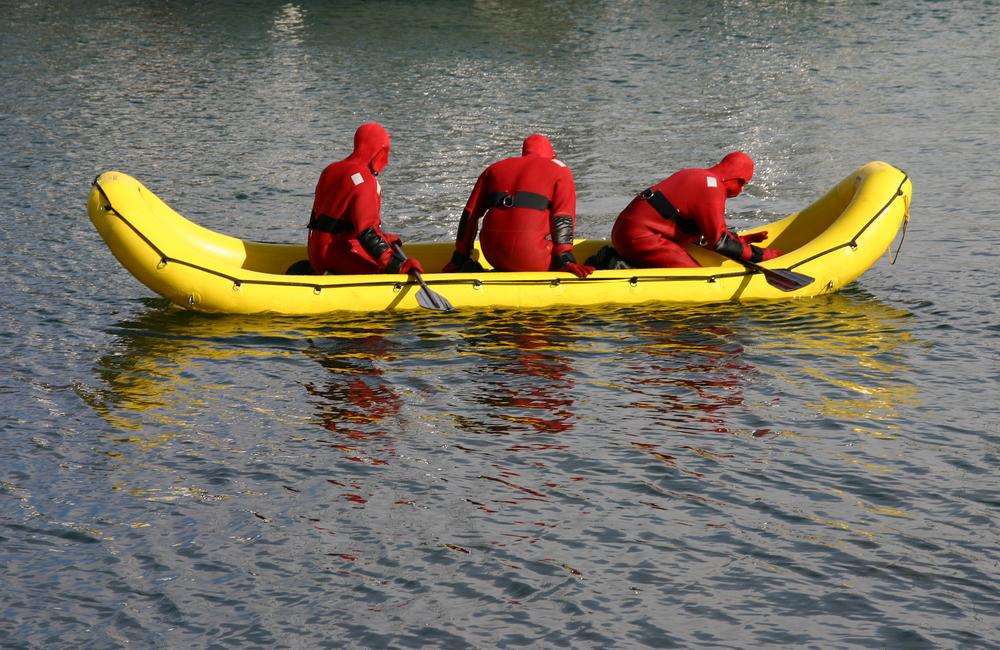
(526, 200)
(345, 229)
(654, 228)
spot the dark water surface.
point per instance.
(819, 474)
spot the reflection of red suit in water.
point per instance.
(345, 230)
(530, 213)
(539, 380)
(654, 229)
(357, 400)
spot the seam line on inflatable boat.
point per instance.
(593, 280)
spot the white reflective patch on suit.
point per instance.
(358, 179)
(559, 162)
(378, 187)
(712, 182)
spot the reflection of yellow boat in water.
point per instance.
(853, 349)
(834, 240)
(183, 369)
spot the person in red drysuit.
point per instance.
(690, 205)
(345, 227)
(526, 200)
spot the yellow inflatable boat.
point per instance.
(826, 246)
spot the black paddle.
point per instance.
(425, 297)
(784, 279)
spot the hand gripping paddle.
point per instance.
(425, 297)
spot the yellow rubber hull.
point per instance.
(834, 240)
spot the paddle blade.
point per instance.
(432, 300)
(786, 280)
(425, 297)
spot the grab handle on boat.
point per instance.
(906, 222)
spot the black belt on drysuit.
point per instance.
(518, 200)
(563, 233)
(332, 225)
(662, 204)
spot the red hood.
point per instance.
(539, 145)
(736, 166)
(371, 146)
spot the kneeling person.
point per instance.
(690, 205)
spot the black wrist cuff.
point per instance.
(562, 259)
(395, 263)
(729, 247)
